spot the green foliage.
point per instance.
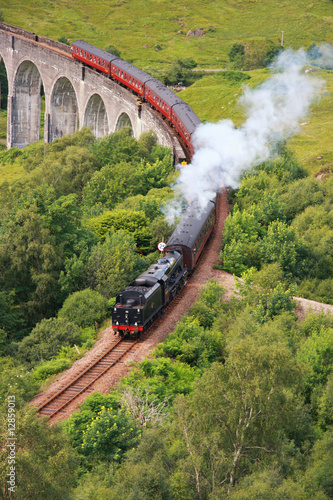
(325, 409)
(241, 231)
(113, 264)
(84, 308)
(102, 430)
(126, 178)
(273, 303)
(45, 370)
(47, 338)
(164, 378)
(236, 416)
(318, 475)
(146, 472)
(180, 70)
(45, 465)
(236, 55)
(130, 221)
(64, 39)
(16, 381)
(302, 194)
(281, 245)
(112, 49)
(317, 352)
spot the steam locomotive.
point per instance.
(145, 299)
(148, 89)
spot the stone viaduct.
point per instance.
(75, 95)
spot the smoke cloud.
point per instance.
(273, 113)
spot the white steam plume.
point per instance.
(274, 111)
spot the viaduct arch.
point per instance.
(75, 95)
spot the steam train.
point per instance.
(145, 299)
(148, 89)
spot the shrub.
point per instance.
(84, 308)
(47, 338)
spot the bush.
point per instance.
(84, 308)
(51, 367)
(47, 338)
(236, 55)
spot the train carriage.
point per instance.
(93, 56)
(192, 233)
(130, 76)
(161, 98)
(185, 121)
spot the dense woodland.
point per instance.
(237, 402)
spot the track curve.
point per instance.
(145, 345)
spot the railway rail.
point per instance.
(86, 378)
(83, 380)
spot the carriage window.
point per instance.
(94, 59)
(80, 52)
(99, 61)
(90, 57)
(85, 55)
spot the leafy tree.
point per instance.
(180, 70)
(10, 317)
(16, 381)
(272, 52)
(84, 308)
(241, 232)
(318, 476)
(112, 49)
(237, 416)
(236, 55)
(129, 221)
(325, 410)
(116, 148)
(317, 352)
(146, 472)
(109, 435)
(64, 39)
(45, 465)
(113, 264)
(281, 245)
(47, 338)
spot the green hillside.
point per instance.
(154, 31)
(152, 34)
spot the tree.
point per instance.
(84, 308)
(238, 414)
(112, 49)
(281, 245)
(47, 338)
(113, 264)
(236, 55)
(44, 466)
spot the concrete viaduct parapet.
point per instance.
(75, 95)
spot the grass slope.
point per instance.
(152, 33)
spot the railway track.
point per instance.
(86, 378)
(107, 368)
(81, 383)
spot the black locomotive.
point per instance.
(145, 299)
